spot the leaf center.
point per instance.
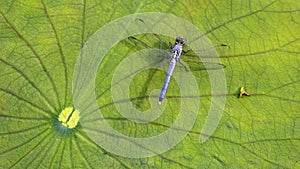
(69, 117)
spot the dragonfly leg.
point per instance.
(186, 69)
(185, 51)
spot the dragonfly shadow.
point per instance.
(142, 103)
(162, 45)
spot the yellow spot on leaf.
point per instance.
(69, 117)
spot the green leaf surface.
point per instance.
(41, 41)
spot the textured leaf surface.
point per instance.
(41, 40)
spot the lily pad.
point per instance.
(41, 41)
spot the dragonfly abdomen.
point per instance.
(166, 83)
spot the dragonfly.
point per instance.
(174, 57)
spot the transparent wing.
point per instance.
(189, 58)
(192, 60)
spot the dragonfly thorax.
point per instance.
(177, 49)
(174, 55)
(178, 46)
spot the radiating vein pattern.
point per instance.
(41, 40)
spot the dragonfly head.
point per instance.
(180, 40)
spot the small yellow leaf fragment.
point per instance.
(69, 117)
(243, 92)
(63, 116)
(74, 119)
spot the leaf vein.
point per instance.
(29, 81)
(33, 51)
(62, 56)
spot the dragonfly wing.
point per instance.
(203, 61)
(198, 65)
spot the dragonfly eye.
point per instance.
(180, 40)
